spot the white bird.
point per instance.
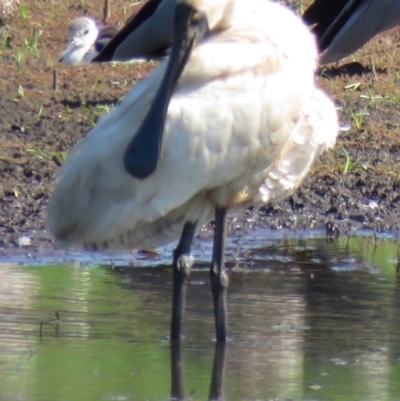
(344, 26)
(232, 119)
(86, 40)
(8, 9)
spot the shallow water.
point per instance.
(309, 319)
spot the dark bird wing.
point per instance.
(148, 33)
(328, 17)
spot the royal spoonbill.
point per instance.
(231, 119)
(86, 40)
(343, 26)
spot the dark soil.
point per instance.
(355, 186)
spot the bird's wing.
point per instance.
(93, 176)
(105, 36)
(328, 17)
(146, 34)
(315, 132)
(356, 26)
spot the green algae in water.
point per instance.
(308, 319)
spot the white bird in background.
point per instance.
(341, 28)
(232, 119)
(344, 26)
(86, 40)
(8, 9)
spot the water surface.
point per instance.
(309, 319)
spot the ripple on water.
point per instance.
(308, 317)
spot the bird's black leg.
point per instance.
(218, 374)
(176, 371)
(218, 276)
(182, 265)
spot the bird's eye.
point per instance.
(86, 32)
(196, 18)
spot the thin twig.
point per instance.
(106, 11)
(373, 69)
(40, 330)
(55, 80)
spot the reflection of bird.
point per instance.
(8, 8)
(231, 120)
(86, 40)
(341, 28)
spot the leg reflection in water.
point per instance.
(218, 373)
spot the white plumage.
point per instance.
(86, 40)
(8, 9)
(243, 126)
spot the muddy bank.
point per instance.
(355, 186)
